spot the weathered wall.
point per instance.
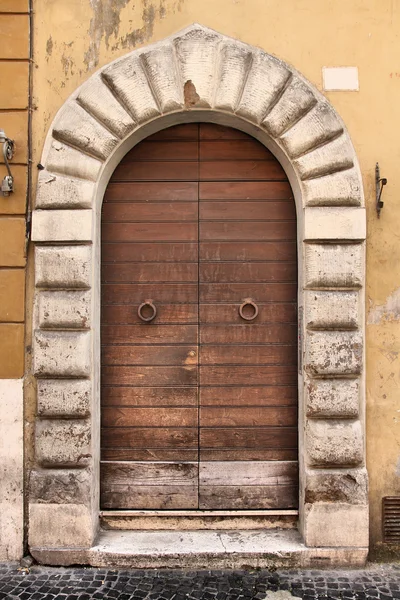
(75, 37)
(14, 101)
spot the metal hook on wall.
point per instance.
(380, 182)
(7, 185)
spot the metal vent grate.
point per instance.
(391, 519)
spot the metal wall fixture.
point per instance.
(380, 182)
(7, 185)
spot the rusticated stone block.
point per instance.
(334, 223)
(65, 160)
(63, 443)
(60, 486)
(335, 525)
(60, 526)
(64, 398)
(75, 127)
(334, 443)
(62, 225)
(62, 354)
(55, 191)
(64, 309)
(333, 352)
(331, 310)
(296, 100)
(318, 126)
(333, 265)
(63, 266)
(342, 485)
(343, 188)
(337, 155)
(265, 82)
(331, 398)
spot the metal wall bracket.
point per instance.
(7, 185)
(380, 182)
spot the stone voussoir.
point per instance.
(234, 65)
(333, 353)
(59, 398)
(333, 265)
(62, 353)
(334, 443)
(64, 309)
(336, 189)
(63, 266)
(63, 443)
(56, 191)
(65, 160)
(332, 398)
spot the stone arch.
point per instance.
(198, 75)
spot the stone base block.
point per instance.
(336, 525)
(61, 526)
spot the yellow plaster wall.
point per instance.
(72, 38)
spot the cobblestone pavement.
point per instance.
(49, 583)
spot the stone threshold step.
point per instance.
(206, 549)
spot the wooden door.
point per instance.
(198, 221)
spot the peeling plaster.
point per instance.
(387, 312)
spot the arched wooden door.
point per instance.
(199, 326)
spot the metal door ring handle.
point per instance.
(248, 302)
(141, 314)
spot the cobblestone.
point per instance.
(380, 582)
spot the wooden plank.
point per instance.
(150, 473)
(157, 171)
(244, 190)
(248, 437)
(149, 272)
(163, 150)
(236, 292)
(154, 212)
(250, 355)
(248, 472)
(246, 232)
(267, 313)
(243, 497)
(228, 416)
(149, 454)
(244, 211)
(149, 497)
(149, 334)
(150, 251)
(219, 272)
(167, 314)
(148, 232)
(255, 454)
(249, 396)
(252, 170)
(150, 191)
(242, 375)
(154, 396)
(149, 437)
(186, 131)
(125, 293)
(149, 376)
(148, 355)
(149, 417)
(234, 149)
(211, 131)
(278, 250)
(250, 333)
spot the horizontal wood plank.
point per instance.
(149, 191)
(148, 333)
(241, 375)
(149, 272)
(149, 417)
(249, 333)
(154, 396)
(246, 231)
(233, 149)
(249, 396)
(179, 314)
(149, 355)
(228, 416)
(149, 251)
(186, 131)
(244, 211)
(151, 474)
(248, 437)
(278, 250)
(126, 293)
(154, 212)
(248, 472)
(157, 171)
(220, 272)
(250, 355)
(236, 292)
(147, 232)
(212, 131)
(244, 190)
(229, 313)
(254, 454)
(149, 437)
(248, 497)
(149, 376)
(149, 454)
(238, 169)
(163, 150)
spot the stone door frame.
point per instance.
(198, 75)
